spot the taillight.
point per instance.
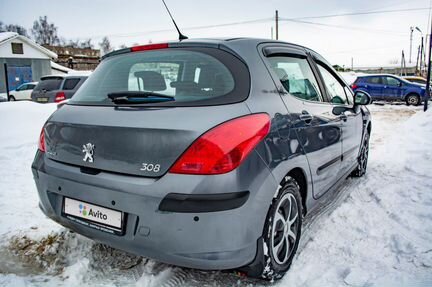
(60, 96)
(149, 47)
(41, 145)
(354, 86)
(224, 147)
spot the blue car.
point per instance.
(390, 88)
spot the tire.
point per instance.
(363, 157)
(281, 246)
(12, 99)
(412, 99)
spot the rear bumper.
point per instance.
(216, 240)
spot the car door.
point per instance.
(374, 86)
(317, 128)
(27, 92)
(392, 88)
(19, 92)
(342, 100)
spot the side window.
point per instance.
(30, 87)
(70, 84)
(335, 89)
(392, 82)
(21, 88)
(374, 80)
(296, 77)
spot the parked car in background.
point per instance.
(54, 89)
(390, 88)
(203, 153)
(22, 92)
(415, 79)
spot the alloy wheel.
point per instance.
(285, 226)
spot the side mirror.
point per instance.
(362, 98)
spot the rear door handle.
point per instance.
(306, 117)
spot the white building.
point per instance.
(22, 60)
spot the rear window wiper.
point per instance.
(138, 97)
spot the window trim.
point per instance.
(343, 84)
(293, 52)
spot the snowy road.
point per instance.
(378, 231)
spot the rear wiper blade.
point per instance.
(138, 97)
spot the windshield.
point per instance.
(189, 77)
(49, 84)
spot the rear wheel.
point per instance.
(363, 157)
(12, 99)
(282, 231)
(413, 100)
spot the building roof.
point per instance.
(8, 36)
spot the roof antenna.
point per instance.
(181, 36)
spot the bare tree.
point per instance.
(13, 28)
(44, 32)
(122, 46)
(105, 45)
(86, 44)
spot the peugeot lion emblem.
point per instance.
(88, 149)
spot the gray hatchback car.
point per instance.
(56, 88)
(203, 153)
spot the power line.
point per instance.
(380, 31)
(355, 14)
(260, 20)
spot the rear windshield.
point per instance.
(201, 76)
(49, 84)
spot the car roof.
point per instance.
(379, 75)
(216, 43)
(63, 77)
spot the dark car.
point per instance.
(54, 89)
(203, 153)
(390, 88)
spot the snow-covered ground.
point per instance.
(377, 232)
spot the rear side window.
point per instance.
(70, 84)
(374, 80)
(296, 77)
(193, 77)
(49, 84)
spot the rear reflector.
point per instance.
(60, 96)
(41, 145)
(354, 86)
(149, 47)
(224, 147)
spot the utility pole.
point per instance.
(352, 64)
(428, 72)
(411, 33)
(417, 69)
(272, 32)
(277, 25)
(421, 58)
(403, 64)
(6, 81)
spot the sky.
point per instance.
(369, 40)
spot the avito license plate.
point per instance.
(110, 218)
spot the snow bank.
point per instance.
(20, 126)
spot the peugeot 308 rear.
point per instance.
(185, 153)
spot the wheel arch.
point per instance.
(299, 175)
